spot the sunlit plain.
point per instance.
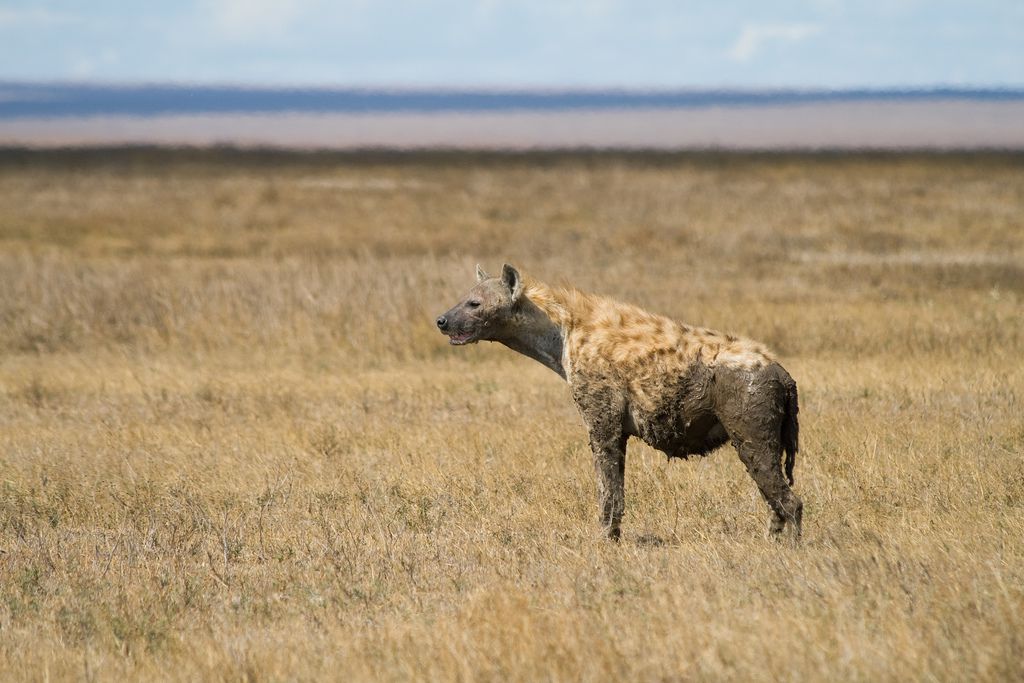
(233, 445)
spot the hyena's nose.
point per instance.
(442, 323)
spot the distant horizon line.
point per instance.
(497, 88)
(21, 99)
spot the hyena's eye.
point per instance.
(474, 304)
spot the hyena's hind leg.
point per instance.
(763, 461)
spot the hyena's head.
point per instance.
(487, 312)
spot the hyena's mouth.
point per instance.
(460, 338)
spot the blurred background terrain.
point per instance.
(60, 115)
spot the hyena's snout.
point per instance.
(457, 328)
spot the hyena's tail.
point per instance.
(790, 428)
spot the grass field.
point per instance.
(233, 446)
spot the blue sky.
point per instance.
(501, 43)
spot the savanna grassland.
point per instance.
(233, 446)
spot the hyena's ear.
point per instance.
(481, 274)
(510, 276)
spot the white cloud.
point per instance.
(33, 16)
(94, 65)
(248, 19)
(752, 38)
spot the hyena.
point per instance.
(683, 390)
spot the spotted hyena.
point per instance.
(683, 390)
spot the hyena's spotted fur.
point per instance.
(683, 390)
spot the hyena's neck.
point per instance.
(537, 336)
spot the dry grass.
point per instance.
(233, 447)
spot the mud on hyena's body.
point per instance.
(683, 390)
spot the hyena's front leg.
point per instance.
(610, 464)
